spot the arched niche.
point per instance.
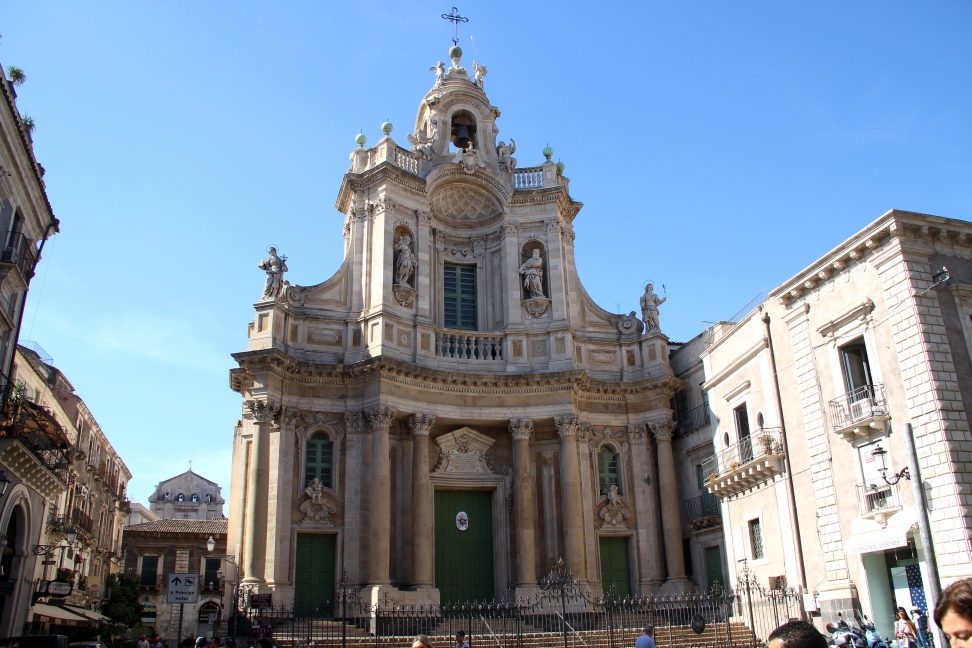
(526, 254)
(460, 119)
(405, 261)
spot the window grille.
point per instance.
(459, 296)
(319, 459)
(756, 538)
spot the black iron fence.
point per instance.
(562, 612)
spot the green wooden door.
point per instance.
(314, 581)
(615, 566)
(464, 559)
(713, 565)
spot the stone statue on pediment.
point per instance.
(532, 271)
(505, 154)
(479, 73)
(649, 308)
(439, 70)
(275, 267)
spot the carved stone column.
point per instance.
(671, 515)
(255, 533)
(526, 556)
(355, 523)
(380, 419)
(422, 524)
(571, 494)
(647, 518)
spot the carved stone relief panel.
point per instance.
(463, 452)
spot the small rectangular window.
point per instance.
(459, 291)
(150, 571)
(756, 538)
(209, 576)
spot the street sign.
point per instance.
(261, 601)
(183, 588)
(59, 588)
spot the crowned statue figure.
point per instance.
(275, 268)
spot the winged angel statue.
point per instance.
(505, 155)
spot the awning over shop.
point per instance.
(91, 614)
(59, 616)
(878, 539)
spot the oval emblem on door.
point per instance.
(462, 521)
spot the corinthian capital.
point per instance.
(521, 429)
(566, 425)
(354, 422)
(637, 434)
(662, 429)
(263, 411)
(420, 424)
(380, 417)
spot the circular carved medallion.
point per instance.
(462, 521)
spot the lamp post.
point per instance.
(238, 592)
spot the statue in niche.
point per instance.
(505, 155)
(649, 307)
(532, 272)
(406, 263)
(439, 70)
(479, 73)
(275, 268)
(315, 491)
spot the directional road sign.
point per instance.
(183, 588)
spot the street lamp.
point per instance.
(880, 459)
(210, 544)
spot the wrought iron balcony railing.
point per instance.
(692, 420)
(878, 501)
(37, 429)
(859, 411)
(702, 512)
(753, 459)
(20, 252)
(82, 522)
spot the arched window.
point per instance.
(180, 497)
(194, 498)
(318, 464)
(607, 469)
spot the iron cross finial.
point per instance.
(455, 19)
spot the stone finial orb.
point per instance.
(455, 52)
(547, 152)
(360, 139)
(386, 128)
(560, 167)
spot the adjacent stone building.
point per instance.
(187, 497)
(810, 392)
(451, 413)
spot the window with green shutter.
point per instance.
(318, 464)
(607, 463)
(460, 296)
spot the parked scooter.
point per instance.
(843, 636)
(871, 634)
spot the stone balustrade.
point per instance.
(406, 160)
(469, 346)
(529, 178)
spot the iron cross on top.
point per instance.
(455, 19)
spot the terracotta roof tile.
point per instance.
(218, 525)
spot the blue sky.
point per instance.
(719, 147)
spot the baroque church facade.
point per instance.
(450, 414)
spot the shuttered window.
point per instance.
(460, 296)
(319, 455)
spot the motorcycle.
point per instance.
(843, 636)
(871, 634)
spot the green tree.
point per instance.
(122, 606)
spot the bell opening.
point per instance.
(463, 130)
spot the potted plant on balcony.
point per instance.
(766, 440)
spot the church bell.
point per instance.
(462, 139)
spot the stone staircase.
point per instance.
(327, 634)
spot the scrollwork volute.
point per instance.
(263, 411)
(420, 424)
(566, 425)
(380, 417)
(521, 429)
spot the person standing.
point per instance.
(920, 620)
(461, 640)
(904, 630)
(143, 643)
(646, 640)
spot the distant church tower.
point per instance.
(451, 413)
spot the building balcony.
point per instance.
(81, 522)
(19, 253)
(860, 413)
(878, 502)
(469, 345)
(692, 420)
(34, 447)
(751, 461)
(702, 512)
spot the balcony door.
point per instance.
(856, 369)
(741, 416)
